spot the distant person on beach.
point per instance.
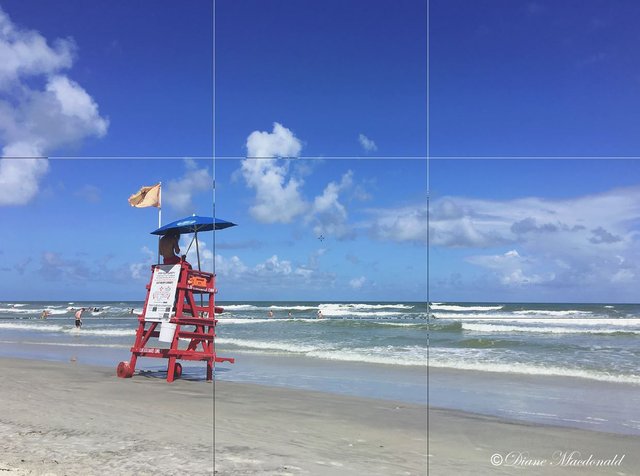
(44, 314)
(320, 316)
(289, 314)
(270, 314)
(169, 248)
(79, 318)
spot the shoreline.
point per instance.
(550, 400)
(65, 418)
(466, 443)
(571, 402)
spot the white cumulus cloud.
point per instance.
(278, 198)
(401, 224)
(280, 142)
(329, 214)
(588, 240)
(511, 268)
(357, 283)
(206, 255)
(34, 121)
(278, 186)
(367, 144)
(179, 193)
(273, 272)
(19, 179)
(26, 52)
(140, 270)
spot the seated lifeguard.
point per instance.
(169, 248)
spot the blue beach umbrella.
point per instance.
(193, 224)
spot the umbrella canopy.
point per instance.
(193, 224)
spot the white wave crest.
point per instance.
(351, 313)
(446, 307)
(569, 312)
(621, 322)
(102, 332)
(233, 320)
(294, 308)
(529, 369)
(68, 344)
(19, 310)
(241, 307)
(360, 307)
(416, 356)
(293, 347)
(56, 311)
(378, 355)
(399, 324)
(31, 327)
(544, 330)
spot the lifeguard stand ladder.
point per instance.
(195, 323)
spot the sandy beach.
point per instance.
(464, 443)
(65, 418)
(71, 419)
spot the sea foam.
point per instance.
(544, 330)
(529, 369)
(446, 307)
(408, 356)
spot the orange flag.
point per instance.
(146, 197)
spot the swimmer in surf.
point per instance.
(79, 318)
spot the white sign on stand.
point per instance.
(163, 292)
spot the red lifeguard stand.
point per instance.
(193, 323)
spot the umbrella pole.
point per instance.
(198, 251)
(189, 247)
(159, 218)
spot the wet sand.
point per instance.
(70, 419)
(464, 443)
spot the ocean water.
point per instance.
(575, 365)
(357, 348)
(591, 341)
(568, 364)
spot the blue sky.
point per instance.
(328, 70)
(135, 81)
(313, 81)
(148, 66)
(534, 79)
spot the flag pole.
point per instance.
(159, 216)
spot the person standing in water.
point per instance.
(79, 318)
